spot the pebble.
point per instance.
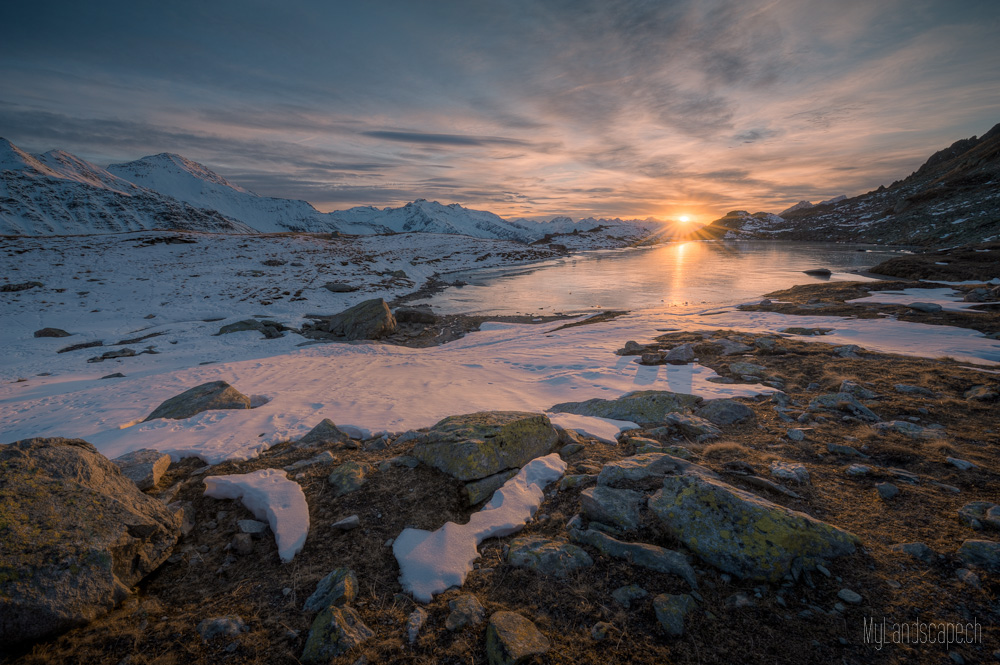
(848, 596)
(347, 523)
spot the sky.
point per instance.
(528, 108)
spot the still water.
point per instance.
(687, 276)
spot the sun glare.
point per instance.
(684, 218)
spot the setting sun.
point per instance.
(684, 218)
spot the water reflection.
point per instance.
(686, 275)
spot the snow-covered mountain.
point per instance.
(424, 216)
(57, 193)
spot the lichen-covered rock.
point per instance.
(334, 632)
(324, 433)
(614, 507)
(349, 477)
(845, 403)
(747, 369)
(480, 490)
(513, 639)
(75, 536)
(724, 412)
(692, 427)
(671, 610)
(466, 610)
(742, 534)
(644, 406)
(370, 319)
(206, 397)
(477, 445)
(547, 555)
(640, 468)
(143, 467)
(645, 555)
(339, 587)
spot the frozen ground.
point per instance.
(371, 386)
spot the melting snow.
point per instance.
(603, 429)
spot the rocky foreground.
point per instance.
(861, 489)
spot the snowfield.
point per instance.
(106, 288)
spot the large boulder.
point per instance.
(743, 534)
(206, 397)
(75, 536)
(477, 445)
(644, 406)
(370, 319)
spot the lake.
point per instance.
(687, 276)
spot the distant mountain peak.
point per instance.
(154, 168)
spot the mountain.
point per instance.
(424, 216)
(952, 199)
(57, 193)
(803, 205)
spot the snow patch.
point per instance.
(602, 429)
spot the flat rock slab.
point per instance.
(644, 406)
(77, 535)
(645, 555)
(548, 556)
(724, 412)
(512, 638)
(741, 533)
(206, 397)
(613, 507)
(477, 445)
(144, 467)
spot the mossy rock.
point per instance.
(742, 534)
(477, 445)
(349, 477)
(334, 632)
(644, 406)
(206, 397)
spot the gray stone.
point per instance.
(909, 429)
(843, 402)
(724, 412)
(671, 611)
(741, 533)
(334, 632)
(242, 543)
(857, 470)
(887, 491)
(370, 319)
(858, 391)
(340, 287)
(577, 480)
(206, 397)
(727, 347)
(626, 595)
(846, 451)
(547, 556)
(983, 393)
(143, 467)
(847, 351)
(680, 355)
(968, 577)
(644, 555)
(414, 623)
(420, 314)
(253, 527)
(349, 477)
(51, 332)
(614, 507)
(339, 587)
(347, 524)
(913, 390)
(269, 329)
(76, 536)
(927, 307)
(325, 457)
(917, 550)
(637, 469)
(481, 490)
(788, 471)
(600, 630)
(747, 369)
(325, 433)
(645, 406)
(477, 445)
(975, 514)
(466, 610)
(960, 464)
(692, 427)
(796, 434)
(850, 597)
(983, 554)
(228, 626)
(512, 639)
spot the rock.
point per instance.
(370, 319)
(242, 543)
(975, 514)
(347, 524)
(723, 347)
(644, 406)
(51, 332)
(741, 533)
(116, 375)
(548, 556)
(414, 623)
(349, 477)
(481, 490)
(857, 470)
(577, 480)
(927, 307)
(917, 551)
(651, 358)
(76, 536)
(466, 610)
(614, 507)
(22, 286)
(850, 597)
(680, 355)
(671, 610)
(183, 512)
(983, 393)
(960, 464)
(228, 626)
(887, 491)
(270, 329)
(748, 369)
(846, 451)
(787, 471)
(477, 445)
(111, 355)
(143, 467)
(420, 314)
(325, 457)
(767, 345)
(847, 351)
(966, 576)
(856, 390)
(796, 434)
(818, 272)
(340, 287)
(983, 554)
(626, 595)
(913, 390)
(339, 587)
(600, 630)
(638, 469)
(632, 348)
(692, 427)
(334, 632)
(512, 639)
(253, 527)
(644, 555)
(843, 402)
(571, 449)
(724, 412)
(909, 429)
(325, 433)
(206, 397)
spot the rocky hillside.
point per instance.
(953, 199)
